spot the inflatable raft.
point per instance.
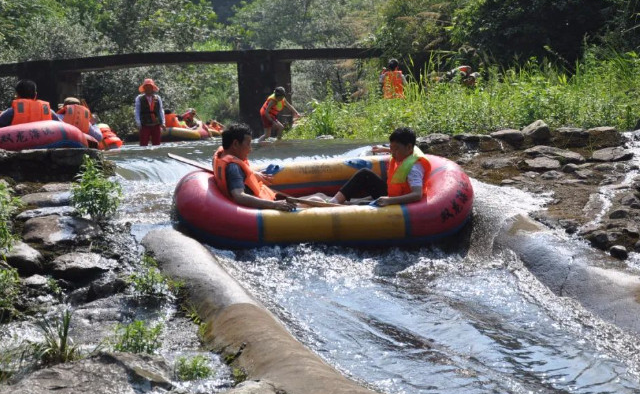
(182, 134)
(208, 215)
(44, 134)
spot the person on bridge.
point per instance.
(269, 113)
(392, 81)
(25, 107)
(234, 176)
(149, 113)
(407, 174)
(77, 113)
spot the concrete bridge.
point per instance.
(259, 71)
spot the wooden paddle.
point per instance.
(312, 203)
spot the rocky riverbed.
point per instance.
(69, 262)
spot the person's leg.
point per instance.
(156, 135)
(278, 129)
(364, 181)
(267, 124)
(145, 133)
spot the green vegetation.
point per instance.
(94, 194)
(239, 375)
(601, 92)
(137, 337)
(149, 281)
(193, 368)
(57, 346)
(8, 206)
(9, 291)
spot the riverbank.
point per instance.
(572, 167)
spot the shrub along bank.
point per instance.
(600, 92)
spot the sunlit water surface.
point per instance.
(439, 319)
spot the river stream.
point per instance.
(454, 318)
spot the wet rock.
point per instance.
(105, 373)
(513, 137)
(36, 281)
(47, 199)
(619, 252)
(77, 267)
(539, 164)
(25, 259)
(46, 211)
(612, 154)
(538, 132)
(549, 175)
(497, 163)
(488, 144)
(439, 144)
(569, 168)
(56, 187)
(604, 137)
(506, 182)
(619, 214)
(563, 155)
(57, 232)
(583, 174)
(570, 137)
(254, 387)
(603, 167)
(570, 225)
(599, 239)
(630, 200)
(106, 286)
(636, 246)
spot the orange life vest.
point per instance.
(277, 106)
(171, 120)
(78, 116)
(220, 163)
(28, 110)
(397, 184)
(392, 84)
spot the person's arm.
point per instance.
(136, 112)
(162, 121)
(288, 105)
(414, 196)
(377, 149)
(6, 117)
(404, 79)
(247, 200)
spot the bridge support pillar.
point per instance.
(52, 86)
(259, 72)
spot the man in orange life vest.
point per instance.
(407, 174)
(392, 81)
(236, 179)
(77, 113)
(269, 113)
(149, 113)
(26, 108)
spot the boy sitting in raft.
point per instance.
(407, 174)
(234, 176)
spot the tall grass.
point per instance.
(601, 92)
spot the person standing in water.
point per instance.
(149, 113)
(269, 113)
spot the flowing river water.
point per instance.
(454, 318)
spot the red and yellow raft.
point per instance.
(208, 215)
(43, 134)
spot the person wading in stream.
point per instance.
(149, 113)
(234, 176)
(269, 113)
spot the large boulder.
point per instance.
(59, 232)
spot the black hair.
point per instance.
(404, 136)
(168, 111)
(235, 132)
(393, 64)
(279, 91)
(26, 88)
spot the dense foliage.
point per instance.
(424, 34)
(94, 194)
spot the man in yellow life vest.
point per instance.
(407, 174)
(234, 176)
(25, 108)
(269, 113)
(392, 81)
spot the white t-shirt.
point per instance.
(416, 175)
